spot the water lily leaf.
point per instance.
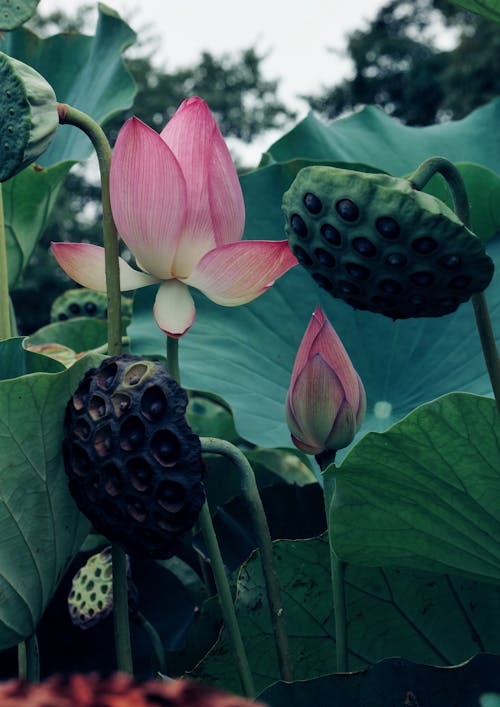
(397, 682)
(13, 15)
(373, 137)
(486, 8)
(41, 528)
(79, 334)
(402, 364)
(16, 360)
(419, 616)
(424, 494)
(86, 72)
(483, 191)
(28, 198)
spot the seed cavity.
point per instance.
(132, 434)
(298, 226)
(396, 260)
(388, 227)
(364, 247)
(90, 307)
(422, 279)
(424, 245)
(348, 288)
(392, 287)
(323, 281)
(347, 210)
(358, 272)
(166, 447)
(301, 255)
(324, 258)
(330, 234)
(450, 261)
(461, 282)
(312, 203)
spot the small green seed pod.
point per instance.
(134, 465)
(28, 116)
(82, 302)
(381, 245)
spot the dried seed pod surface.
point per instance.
(134, 465)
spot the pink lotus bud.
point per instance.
(326, 401)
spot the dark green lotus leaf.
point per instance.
(419, 616)
(402, 364)
(487, 8)
(41, 528)
(14, 14)
(424, 493)
(79, 334)
(372, 137)
(16, 360)
(483, 191)
(28, 198)
(397, 682)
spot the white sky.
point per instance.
(295, 36)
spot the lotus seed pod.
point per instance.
(28, 115)
(134, 465)
(381, 245)
(81, 302)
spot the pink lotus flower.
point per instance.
(326, 401)
(177, 204)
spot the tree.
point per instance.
(398, 66)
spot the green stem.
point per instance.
(461, 203)
(28, 660)
(337, 570)
(156, 642)
(72, 116)
(251, 494)
(226, 601)
(173, 358)
(120, 610)
(5, 330)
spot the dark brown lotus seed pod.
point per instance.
(134, 465)
(381, 245)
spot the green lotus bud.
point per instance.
(28, 115)
(134, 465)
(381, 245)
(81, 302)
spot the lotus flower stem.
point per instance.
(28, 659)
(173, 358)
(156, 643)
(71, 116)
(337, 570)
(120, 611)
(251, 494)
(5, 329)
(226, 601)
(460, 201)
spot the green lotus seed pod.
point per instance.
(28, 115)
(381, 245)
(91, 596)
(14, 13)
(81, 302)
(134, 465)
